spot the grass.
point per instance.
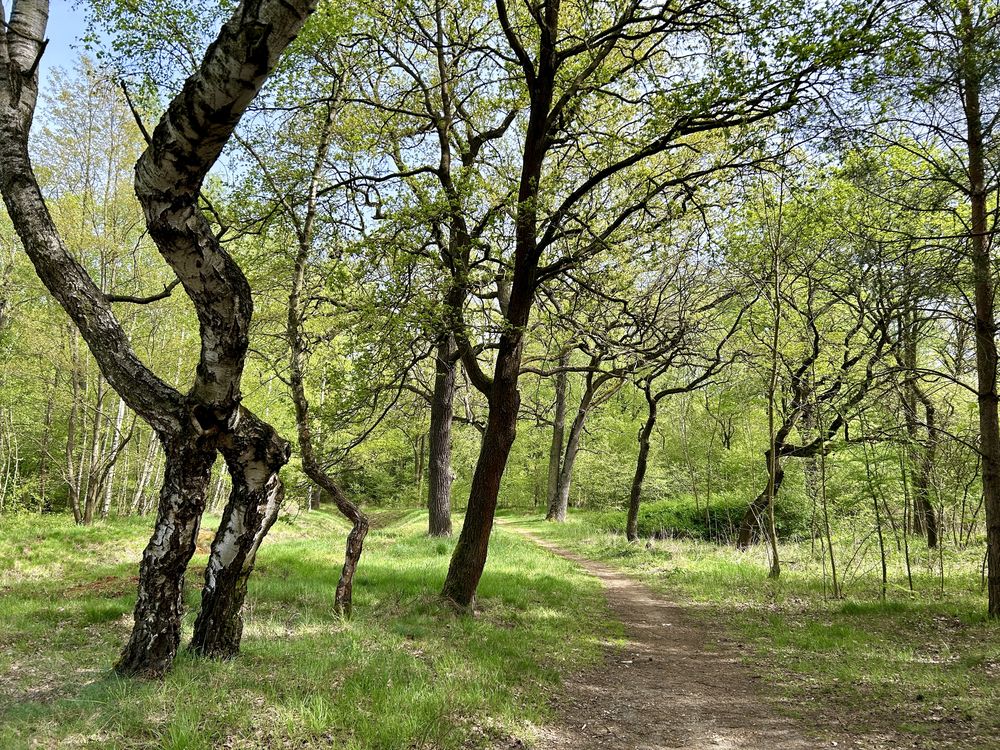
(404, 672)
(918, 669)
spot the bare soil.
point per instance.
(674, 685)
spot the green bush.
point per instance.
(681, 516)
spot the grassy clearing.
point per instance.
(919, 669)
(404, 672)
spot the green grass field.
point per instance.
(404, 672)
(922, 667)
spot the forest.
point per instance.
(570, 374)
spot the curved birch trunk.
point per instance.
(254, 457)
(169, 175)
(159, 607)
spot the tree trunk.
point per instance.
(160, 605)
(117, 443)
(756, 514)
(555, 512)
(343, 597)
(143, 476)
(168, 179)
(573, 443)
(72, 479)
(94, 474)
(469, 557)
(925, 474)
(635, 496)
(986, 347)
(439, 460)
(44, 502)
(254, 456)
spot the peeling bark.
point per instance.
(254, 456)
(156, 633)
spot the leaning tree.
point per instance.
(209, 419)
(580, 67)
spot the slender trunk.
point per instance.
(635, 496)
(826, 525)
(924, 452)
(925, 474)
(573, 442)
(97, 455)
(118, 444)
(156, 634)
(904, 475)
(811, 467)
(418, 461)
(72, 479)
(986, 348)
(145, 473)
(343, 596)
(566, 471)
(555, 510)
(773, 457)
(439, 460)
(881, 546)
(44, 503)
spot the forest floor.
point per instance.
(718, 656)
(406, 672)
(711, 654)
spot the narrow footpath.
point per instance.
(667, 688)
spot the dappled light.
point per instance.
(499, 374)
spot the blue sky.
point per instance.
(67, 24)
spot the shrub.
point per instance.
(681, 516)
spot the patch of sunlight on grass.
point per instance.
(404, 671)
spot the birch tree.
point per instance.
(193, 427)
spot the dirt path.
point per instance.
(665, 689)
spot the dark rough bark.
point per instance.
(756, 516)
(552, 494)
(986, 347)
(439, 460)
(469, 558)
(635, 495)
(547, 115)
(254, 456)
(158, 610)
